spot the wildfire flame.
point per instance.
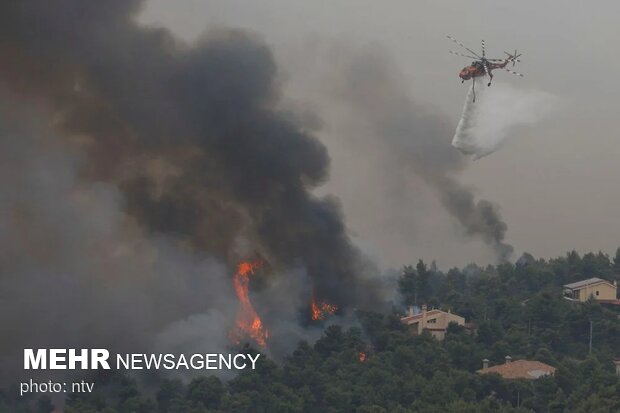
(362, 356)
(321, 310)
(248, 323)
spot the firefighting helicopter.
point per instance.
(482, 66)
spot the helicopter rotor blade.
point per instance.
(483, 49)
(463, 46)
(503, 60)
(486, 70)
(513, 72)
(461, 54)
(513, 57)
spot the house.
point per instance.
(434, 321)
(597, 288)
(518, 369)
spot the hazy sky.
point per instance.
(556, 182)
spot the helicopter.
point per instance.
(482, 66)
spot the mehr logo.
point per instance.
(63, 359)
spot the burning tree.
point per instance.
(320, 310)
(248, 323)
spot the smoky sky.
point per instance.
(138, 170)
(551, 178)
(189, 133)
(414, 139)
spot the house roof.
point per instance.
(410, 319)
(520, 369)
(419, 315)
(585, 283)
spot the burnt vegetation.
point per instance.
(518, 310)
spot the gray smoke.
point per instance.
(75, 270)
(183, 164)
(189, 132)
(410, 139)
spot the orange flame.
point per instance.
(248, 323)
(362, 357)
(321, 310)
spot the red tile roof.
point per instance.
(520, 369)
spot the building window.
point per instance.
(432, 321)
(597, 293)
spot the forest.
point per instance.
(378, 366)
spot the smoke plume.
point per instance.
(76, 270)
(485, 123)
(409, 141)
(179, 162)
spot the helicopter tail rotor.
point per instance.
(513, 57)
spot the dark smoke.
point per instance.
(479, 218)
(189, 133)
(415, 137)
(76, 271)
(171, 160)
